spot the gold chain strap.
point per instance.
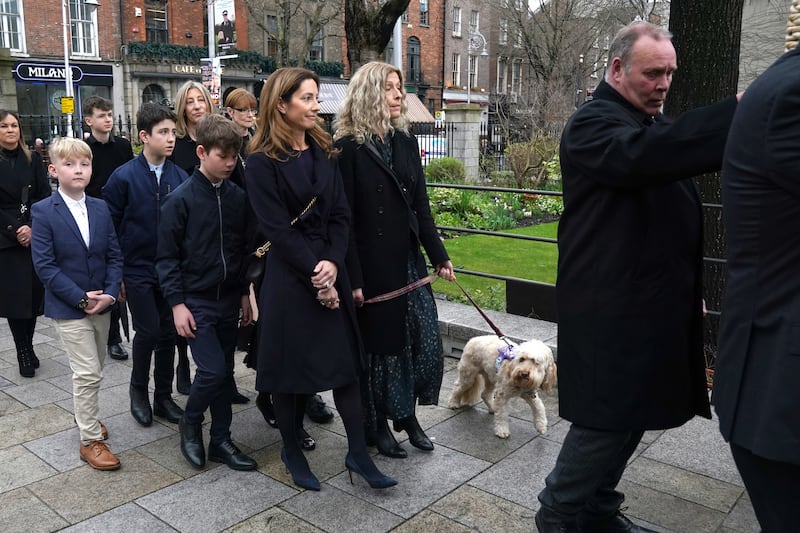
(262, 250)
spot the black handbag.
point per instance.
(255, 262)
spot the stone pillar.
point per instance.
(465, 142)
(8, 87)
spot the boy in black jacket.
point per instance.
(201, 244)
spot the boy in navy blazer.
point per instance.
(77, 257)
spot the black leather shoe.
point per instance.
(167, 408)
(416, 436)
(239, 398)
(140, 407)
(228, 453)
(27, 367)
(317, 411)
(192, 443)
(386, 443)
(264, 404)
(548, 522)
(305, 440)
(618, 523)
(117, 351)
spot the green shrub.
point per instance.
(502, 178)
(528, 159)
(445, 170)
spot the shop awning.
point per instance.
(331, 96)
(417, 112)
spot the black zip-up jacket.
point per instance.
(202, 240)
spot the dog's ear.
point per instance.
(550, 376)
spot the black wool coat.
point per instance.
(303, 347)
(391, 217)
(629, 287)
(757, 380)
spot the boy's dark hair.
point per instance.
(216, 131)
(151, 114)
(95, 102)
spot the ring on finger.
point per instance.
(327, 284)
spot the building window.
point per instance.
(502, 74)
(503, 39)
(518, 39)
(423, 13)
(153, 93)
(414, 74)
(83, 18)
(404, 17)
(456, 77)
(456, 22)
(317, 50)
(12, 35)
(155, 21)
(474, 21)
(272, 36)
(473, 71)
(516, 77)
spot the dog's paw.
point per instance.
(503, 433)
(540, 425)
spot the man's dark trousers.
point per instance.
(114, 336)
(155, 336)
(588, 469)
(213, 349)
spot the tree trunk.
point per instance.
(707, 37)
(368, 25)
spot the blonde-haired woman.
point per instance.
(391, 218)
(308, 333)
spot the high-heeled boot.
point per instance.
(361, 464)
(416, 436)
(386, 443)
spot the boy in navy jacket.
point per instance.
(77, 257)
(201, 245)
(134, 194)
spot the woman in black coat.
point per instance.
(308, 338)
(391, 218)
(23, 182)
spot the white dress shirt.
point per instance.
(79, 213)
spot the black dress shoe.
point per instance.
(305, 440)
(228, 453)
(239, 398)
(192, 443)
(416, 436)
(167, 408)
(548, 522)
(117, 351)
(317, 411)
(264, 404)
(386, 443)
(140, 407)
(617, 523)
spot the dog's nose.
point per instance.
(524, 375)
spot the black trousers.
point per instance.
(588, 469)
(154, 339)
(114, 336)
(774, 489)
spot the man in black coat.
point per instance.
(756, 392)
(629, 296)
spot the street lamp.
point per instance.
(70, 95)
(476, 42)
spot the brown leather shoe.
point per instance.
(99, 456)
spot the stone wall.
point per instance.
(8, 87)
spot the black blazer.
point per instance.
(391, 217)
(757, 380)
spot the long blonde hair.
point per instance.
(273, 136)
(181, 126)
(364, 110)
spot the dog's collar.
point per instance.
(506, 353)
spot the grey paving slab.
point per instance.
(9, 405)
(337, 511)
(326, 461)
(131, 515)
(5, 383)
(484, 512)
(520, 476)
(273, 520)
(49, 368)
(248, 427)
(83, 492)
(22, 512)
(32, 424)
(19, 467)
(166, 452)
(215, 489)
(37, 393)
(431, 522)
(697, 488)
(697, 446)
(742, 518)
(422, 479)
(60, 450)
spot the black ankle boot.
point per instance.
(25, 358)
(386, 443)
(416, 436)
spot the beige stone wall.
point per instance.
(8, 87)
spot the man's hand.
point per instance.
(184, 321)
(98, 302)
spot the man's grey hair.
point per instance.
(622, 45)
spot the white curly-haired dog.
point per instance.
(496, 372)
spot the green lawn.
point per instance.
(530, 260)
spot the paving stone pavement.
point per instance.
(680, 480)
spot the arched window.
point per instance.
(414, 74)
(153, 93)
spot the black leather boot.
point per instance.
(140, 406)
(386, 443)
(25, 358)
(416, 436)
(192, 443)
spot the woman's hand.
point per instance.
(24, 236)
(358, 297)
(445, 271)
(324, 274)
(329, 298)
